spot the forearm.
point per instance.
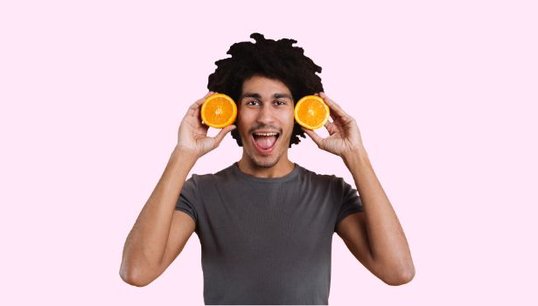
(389, 250)
(146, 243)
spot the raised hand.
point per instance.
(192, 134)
(344, 135)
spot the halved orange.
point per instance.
(311, 112)
(218, 111)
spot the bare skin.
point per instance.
(266, 106)
(375, 237)
(160, 232)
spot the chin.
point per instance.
(264, 163)
(260, 159)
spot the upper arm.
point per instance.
(394, 269)
(181, 230)
(352, 229)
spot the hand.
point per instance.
(344, 135)
(192, 134)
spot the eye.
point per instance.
(280, 102)
(252, 103)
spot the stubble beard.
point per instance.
(267, 161)
(261, 162)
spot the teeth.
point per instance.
(266, 134)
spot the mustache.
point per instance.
(265, 127)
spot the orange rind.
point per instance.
(311, 112)
(218, 111)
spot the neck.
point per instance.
(282, 168)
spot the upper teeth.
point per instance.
(266, 134)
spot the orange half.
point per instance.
(311, 112)
(218, 111)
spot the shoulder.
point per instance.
(211, 178)
(329, 180)
(325, 178)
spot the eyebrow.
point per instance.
(258, 96)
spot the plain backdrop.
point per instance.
(445, 94)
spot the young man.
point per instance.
(265, 223)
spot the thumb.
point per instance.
(220, 136)
(315, 137)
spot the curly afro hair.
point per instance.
(272, 59)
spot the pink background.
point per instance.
(445, 94)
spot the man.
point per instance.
(265, 223)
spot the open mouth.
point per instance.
(265, 141)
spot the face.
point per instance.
(265, 122)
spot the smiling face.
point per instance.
(265, 123)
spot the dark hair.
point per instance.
(272, 59)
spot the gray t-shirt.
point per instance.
(267, 240)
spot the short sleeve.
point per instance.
(187, 199)
(351, 203)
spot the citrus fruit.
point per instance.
(311, 112)
(218, 111)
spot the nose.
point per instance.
(265, 115)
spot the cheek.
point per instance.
(243, 117)
(244, 122)
(290, 119)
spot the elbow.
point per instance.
(134, 276)
(400, 276)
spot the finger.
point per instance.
(194, 109)
(201, 101)
(335, 108)
(331, 127)
(315, 137)
(220, 136)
